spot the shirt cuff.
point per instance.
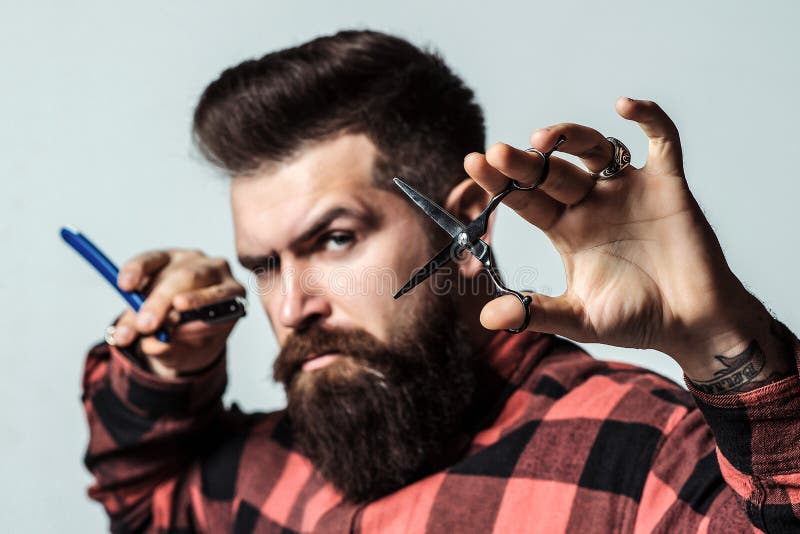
(758, 431)
(153, 396)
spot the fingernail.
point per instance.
(125, 280)
(146, 321)
(122, 335)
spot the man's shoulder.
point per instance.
(567, 369)
(571, 410)
(567, 386)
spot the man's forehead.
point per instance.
(274, 205)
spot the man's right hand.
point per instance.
(175, 281)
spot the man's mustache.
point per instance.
(304, 346)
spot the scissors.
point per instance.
(469, 237)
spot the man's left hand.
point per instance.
(643, 266)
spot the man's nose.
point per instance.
(304, 300)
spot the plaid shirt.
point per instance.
(557, 441)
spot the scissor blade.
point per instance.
(449, 224)
(480, 250)
(441, 258)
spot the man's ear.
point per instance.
(466, 201)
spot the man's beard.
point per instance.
(384, 414)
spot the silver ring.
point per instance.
(109, 334)
(619, 161)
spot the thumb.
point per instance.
(552, 315)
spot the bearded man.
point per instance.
(421, 414)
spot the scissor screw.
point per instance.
(463, 239)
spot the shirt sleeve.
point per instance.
(757, 436)
(144, 430)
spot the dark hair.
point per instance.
(419, 114)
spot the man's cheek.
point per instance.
(341, 282)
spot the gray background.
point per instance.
(94, 131)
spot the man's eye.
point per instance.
(336, 240)
(267, 267)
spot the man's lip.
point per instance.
(319, 361)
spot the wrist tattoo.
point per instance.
(738, 373)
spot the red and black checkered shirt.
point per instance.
(559, 442)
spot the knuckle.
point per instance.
(220, 264)
(602, 150)
(150, 256)
(133, 266)
(191, 275)
(194, 275)
(195, 253)
(127, 318)
(219, 290)
(184, 300)
(498, 154)
(156, 302)
(149, 347)
(556, 182)
(186, 254)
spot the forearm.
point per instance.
(143, 430)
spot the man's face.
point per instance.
(375, 386)
(328, 246)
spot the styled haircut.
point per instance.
(418, 113)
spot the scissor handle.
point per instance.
(516, 186)
(501, 289)
(525, 300)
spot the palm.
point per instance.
(613, 244)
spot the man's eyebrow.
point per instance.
(254, 262)
(322, 222)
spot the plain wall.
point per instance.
(95, 116)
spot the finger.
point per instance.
(664, 150)
(125, 329)
(198, 335)
(594, 150)
(565, 182)
(208, 295)
(133, 272)
(553, 315)
(159, 301)
(537, 207)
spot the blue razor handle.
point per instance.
(106, 268)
